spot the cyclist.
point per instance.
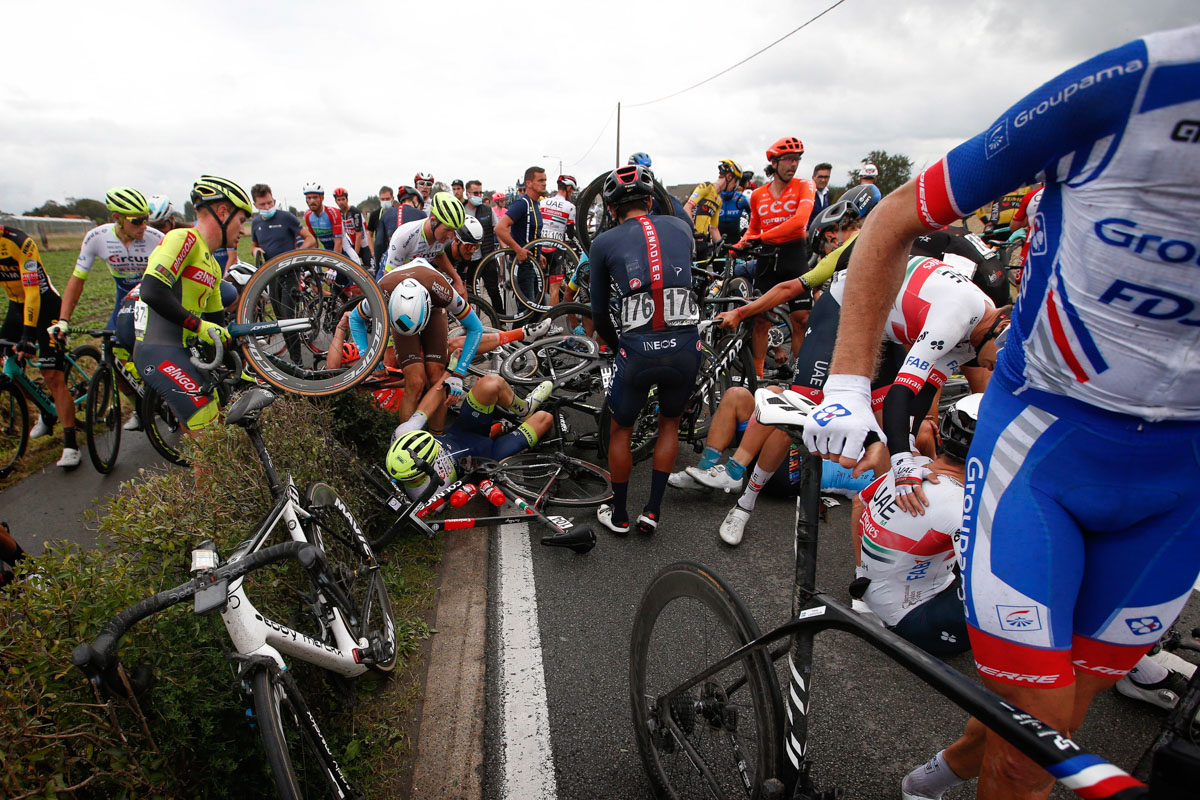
(181, 290)
(734, 214)
(648, 259)
(352, 226)
(705, 203)
(1099, 374)
(162, 213)
(867, 177)
(558, 222)
(33, 308)
(324, 223)
(424, 183)
(409, 209)
(427, 238)
(779, 212)
(499, 205)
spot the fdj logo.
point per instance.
(828, 414)
(1151, 303)
(1019, 618)
(1142, 626)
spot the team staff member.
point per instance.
(1099, 373)
(649, 260)
(33, 306)
(521, 224)
(779, 215)
(273, 232)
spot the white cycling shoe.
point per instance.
(1164, 693)
(41, 429)
(538, 396)
(715, 477)
(70, 458)
(734, 526)
(536, 330)
(134, 423)
(604, 514)
(681, 480)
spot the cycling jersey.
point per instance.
(326, 226)
(126, 262)
(558, 217)
(430, 343)
(409, 242)
(1107, 312)
(706, 202)
(352, 223)
(734, 210)
(781, 220)
(969, 256)
(184, 263)
(21, 271)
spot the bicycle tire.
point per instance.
(103, 420)
(14, 427)
(511, 310)
(556, 358)
(540, 304)
(85, 361)
(556, 479)
(684, 606)
(737, 287)
(164, 430)
(592, 220)
(271, 367)
(354, 568)
(301, 765)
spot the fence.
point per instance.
(51, 233)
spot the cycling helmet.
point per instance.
(958, 426)
(498, 196)
(340, 192)
(423, 176)
(568, 180)
(312, 187)
(471, 232)
(409, 306)
(640, 158)
(447, 210)
(730, 166)
(627, 183)
(127, 201)
(831, 216)
(408, 448)
(239, 274)
(407, 193)
(160, 207)
(350, 352)
(868, 171)
(788, 145)
(863, 197)
(210, 188)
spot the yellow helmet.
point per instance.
(403, 454)
(729, 165)
(210, 188)
(127, 201)
(448, 210)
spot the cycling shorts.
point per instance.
(49, 354)
(937, 626)
(1081, 535)
(470, 435)
(168, 369)
(668, 359)
(789, 262)
(427, 346)
(556, 262)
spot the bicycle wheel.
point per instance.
(328, 285)
(301, 764)
(14, 427)
(736, 287)
(164, 430)
(592, 217)
(557, 358)
(556, 479)
(482, 363)
(103, 420)
(498, 265)
(688, 619)
(84, 362)
(532, 275)
(645, 430)
(354, 568)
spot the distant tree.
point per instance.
(94, 210)
(439, 186)
(50, 208)
(189, 211)
(894, 171)
(368, 206)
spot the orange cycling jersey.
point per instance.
(780, 220)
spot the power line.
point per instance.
(743, 61)
(601, 133)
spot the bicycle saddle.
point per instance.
(786, 408)
(247, 403)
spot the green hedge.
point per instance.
(190, 737)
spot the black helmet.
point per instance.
(958, 426)
(406, 192)
(632, 182)
(863, 196)
(830, 217)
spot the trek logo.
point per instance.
(1142, 626)
(1019, 618)
(1151, 303)
(997, 139)
(826, 415)
(1064, 95)
(1187, 131)
(1122, 233)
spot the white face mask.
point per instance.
(476, 200)
(386, 204)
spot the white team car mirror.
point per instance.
(785, 409)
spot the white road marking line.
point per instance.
(528, 769)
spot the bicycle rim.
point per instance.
(557, 359)
(85, 361)
(687, 620)
(103, 420)
(560, 479)
(164, 430)
(356, 571)
(498, 264)
(300, 765)
(14, 427)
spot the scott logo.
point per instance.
(1151, 303)
(1186, 130)
(1123, 233)
(828, 414)
(1141, 626)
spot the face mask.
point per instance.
(476, 201)
(386, 204)
(728, 194)
(267, 213)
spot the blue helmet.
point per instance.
(863, 197)
(640, 158)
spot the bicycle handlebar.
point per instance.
(219, 344)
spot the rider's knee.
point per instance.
(488, 387)
(415, 380)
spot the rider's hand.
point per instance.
(330, 275)
(536, 330)
(206, 326)
(908, 473)
(59, 329)
(838, 427)
(453, 383)
(27, 346)
(729, 319)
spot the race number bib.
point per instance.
(678, 308)
(140, 312)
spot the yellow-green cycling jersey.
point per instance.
(184, 263)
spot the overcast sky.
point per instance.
(359, 94)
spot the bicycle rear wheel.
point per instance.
(84, 362)
(556, 479)
(498, 266)
(164, 430)
(556, 358)
(14, 427)
(688, 619)
(301, 763)
(354, 568)
(103, 420)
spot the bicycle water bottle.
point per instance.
(463, 495)
(492, 493)
(715, 289)
(433, 506)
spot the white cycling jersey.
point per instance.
(909, 559)
(933, 315)
(124, 262)
(408, 242)
(557, 213)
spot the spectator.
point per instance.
(522, 223)
(275, 230)
(386, 200)
(410, 208)
(456, 186)
(820, 178)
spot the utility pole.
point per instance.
(618, 162)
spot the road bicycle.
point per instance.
(707, 709)
(345, 614)
(524, 289)
(16, 385)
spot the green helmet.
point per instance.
(210, 188)
(402, 455)
(448, 210)
(127, 201)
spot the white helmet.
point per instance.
(471, 232)
(312, 187)
(409, 307)
(239, 274)
(868, 171)
(160, 207)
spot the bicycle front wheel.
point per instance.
(85, 361)
(103, 420)
(556, 479)
(301, 763)
(732, 721)
(14, 427)
(164, 430)
(354, 568)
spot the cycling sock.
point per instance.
(518, 405)
(758, 479)
(515, 335)
(1148, 671)
(735, 469)
(932, 778)
(69, 438)
(658, 485)
(759, 365)
(619, 515)
(529, 433)
(711, 456)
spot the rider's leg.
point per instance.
(57, 384)
(758, 343)
(774, 451)
(799, 321)
(736, 407)
(620, 464)
(666, 448)
(414, 389)
(433, 379)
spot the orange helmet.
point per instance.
(785, 146)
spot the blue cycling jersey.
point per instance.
(734, 207)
